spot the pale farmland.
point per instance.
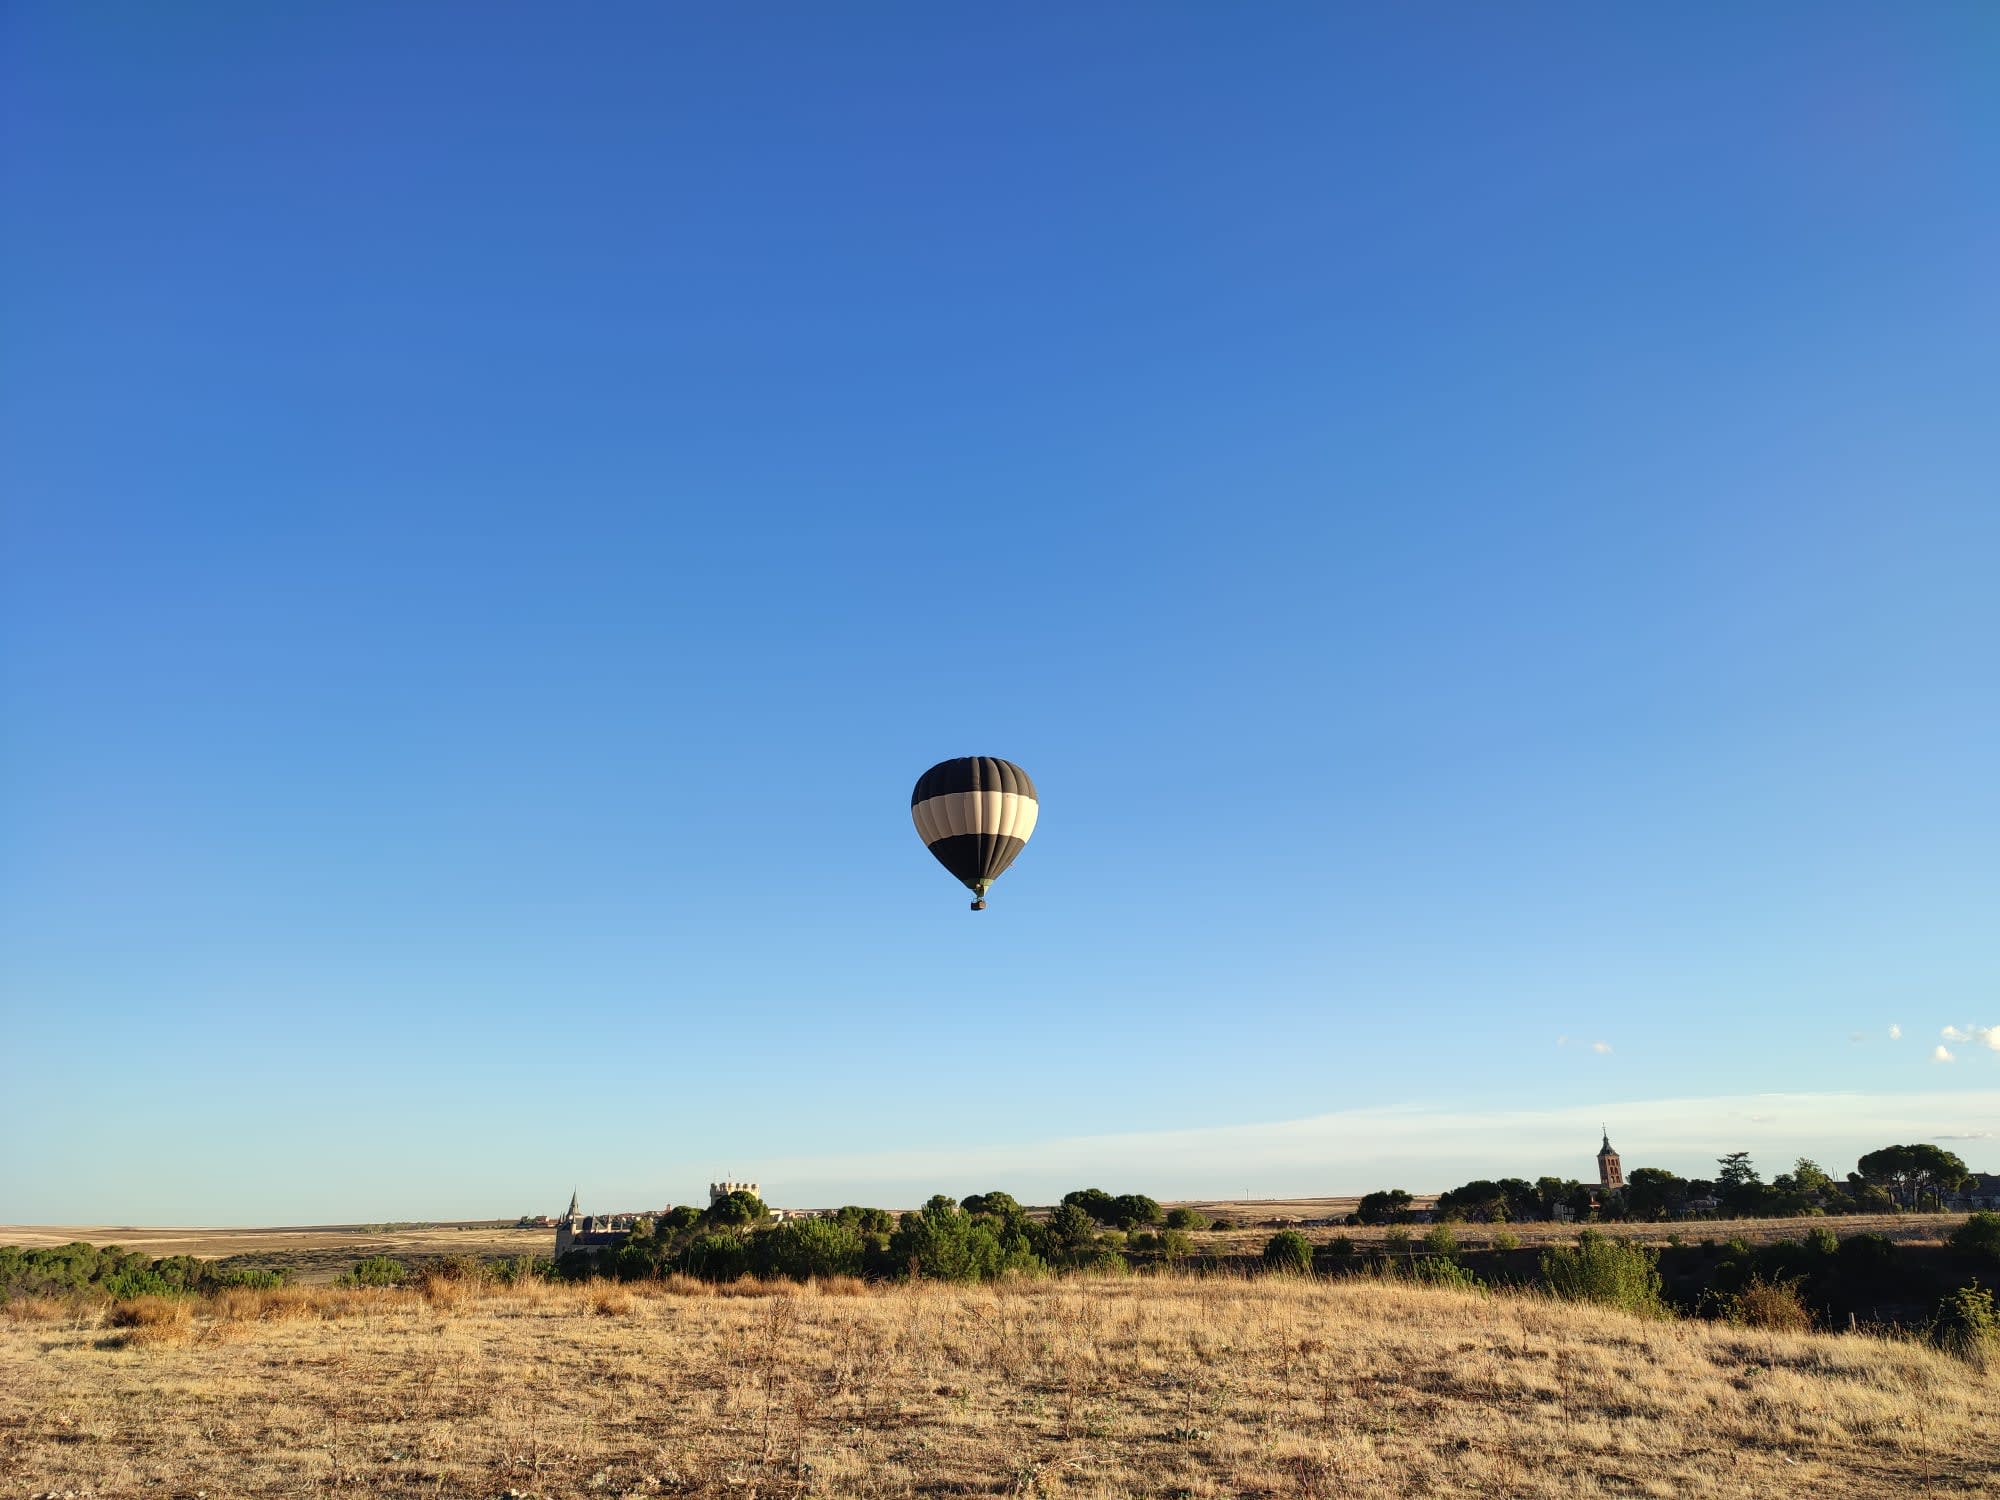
(1181, 1386)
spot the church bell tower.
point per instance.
(1609, 1176)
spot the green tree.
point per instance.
(1915, 1173)
(1186, 1218)
(739, 1207)
(718, 1255)
(1864, 1197)
(867, 1220)
(1132, 1210)
(1385, 1206)
(951, 1245)
(1480, 1201)
(1002, 1206)
(1653, 1193)
(1739, 1184)
(1071, 1234)
(1093, 1201)
(807, 1248)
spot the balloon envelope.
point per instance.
(974, 813)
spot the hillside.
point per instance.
(1164, 1386)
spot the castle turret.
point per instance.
(1610, 1177)
(566, 1227)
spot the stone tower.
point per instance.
(1609, 1176)
(566, 1228)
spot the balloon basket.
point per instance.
(980, 904)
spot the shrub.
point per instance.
(1133, 1211)
(152, 1320)
(1978, 1237)
(607, 1299)
(1337, 1254)
(715, 1256)
(1289, 1252)
(1772, 1304)
(1104, 1263)
(1186, 1218)
(1868, 1260)
(1397, 1241)
(1821, 1240)
(466, 1268)
(376, 1270)
(516, 1269)
(1967, 1324)
(1440, 1241)
(1506, 1239)
(1435, 1270)
(943, 1244)
(1607, 1271)
(813, 1248)
(1176, 1245)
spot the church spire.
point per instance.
(572, 1204)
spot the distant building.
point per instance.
(1610, 1177)
(1981, 1193)
(717, 1191)
(594, 1232)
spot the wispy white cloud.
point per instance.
(1418, 1146)
(1602, 1049)
(1895, 1033)
(1985, 1036)
(1941, 1053)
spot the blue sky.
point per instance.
(1483, 528)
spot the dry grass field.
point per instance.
(1151, 1386)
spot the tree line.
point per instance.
(986, 1236)
(1891, 1180)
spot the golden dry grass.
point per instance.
(1147, 1386)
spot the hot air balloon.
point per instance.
(974, 814)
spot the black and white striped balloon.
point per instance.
(974, 814)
